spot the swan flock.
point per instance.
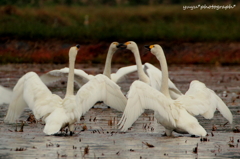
(153, 89)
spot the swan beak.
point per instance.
(121, 46)
(147, 47)
(78, 46)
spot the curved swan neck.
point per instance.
(141, 74)
(107, 69)
(70, 82)
(163, 63)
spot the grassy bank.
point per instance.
(44, 35)
(141, 23)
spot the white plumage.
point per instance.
(169, 113)
(57, 112)
(174, 115)
(200, 100)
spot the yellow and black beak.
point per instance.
(121, 46)
(149, 47)
(78, 46)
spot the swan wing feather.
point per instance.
(149, 66)
(100, 88)
(32, 92)
(121, 74)
(200, 100)
(80, 77)
(141, 97)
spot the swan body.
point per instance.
(153, 75)
(5, 95)
(175, 115)
(57, 112)
(82, 77)
(169, 113)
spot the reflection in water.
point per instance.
(103, 137)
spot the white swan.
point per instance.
(57, 112)
(5, 95)
(153, 75)
(169, 113)
(82, 77)
(198, 100)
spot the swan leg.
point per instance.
(71, 129)
(164, 134)
(169, 133)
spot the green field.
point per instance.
(139, 23)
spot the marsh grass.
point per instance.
(140, 23)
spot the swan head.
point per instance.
(113, 46)
(130, 45)
(73, 51)
(154, 49)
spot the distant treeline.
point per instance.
(38, 3)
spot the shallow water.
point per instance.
(102, 137)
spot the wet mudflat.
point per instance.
(97, 136)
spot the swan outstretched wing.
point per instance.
(141, 97)
(100, 88)
(32, 92)
(155, 77)
(5, 95)
(80, 77)
(17, 103)
(149, 66)
(200, 100)
(121, 74)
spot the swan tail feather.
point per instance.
(190, 124)
(55, 121)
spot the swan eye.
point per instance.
(151, 46)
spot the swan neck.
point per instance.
(107, 69)
(163, 63)
(70, 82)
(141, 74)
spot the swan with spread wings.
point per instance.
(57, 112)
(175, 115)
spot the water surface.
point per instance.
(102, 139)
